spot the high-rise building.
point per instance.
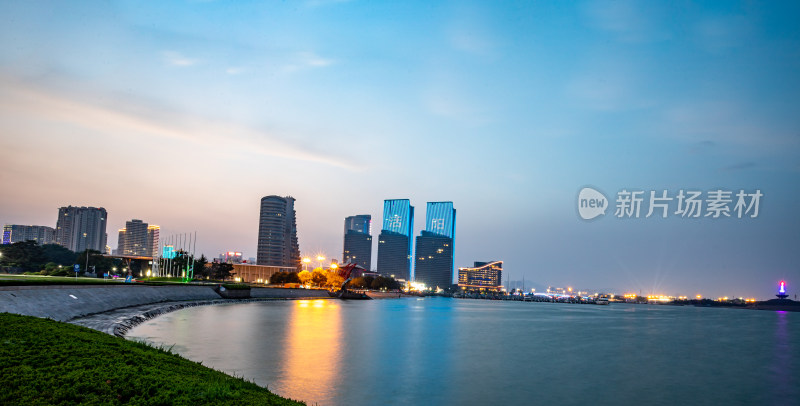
(358, 240)
(153, 232)
(81, 228)
(17, 233)
(482, 276)
(394, 241)
(138, 238)
(434, 249)
(277, 233)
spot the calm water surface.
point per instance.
(457, 351)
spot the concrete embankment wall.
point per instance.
(70, 301)
(281, 293)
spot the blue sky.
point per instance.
(184, 114)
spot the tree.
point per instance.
(97, 262)
(292, 277)
(200, 269)
(358, 283)
(284, 277)
(305, 277)
(334, 280)
(58, 254)
(23, 256)
(221, 271)
(318, 277)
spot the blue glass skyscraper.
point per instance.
(358, 240)
(394, 242)
(435, 246)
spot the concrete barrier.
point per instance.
(66, 302)
(284, 293)
(70, 301)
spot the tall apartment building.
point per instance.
(81, 228)
(434, 249)
(277, 233)
(17, 233)
(138, 238)
(394, 241)
(358, 240)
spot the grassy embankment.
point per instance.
(48, 362)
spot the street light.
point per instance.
(320, 258)
(334, 266)
(306, 260)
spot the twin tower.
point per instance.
(433, 254)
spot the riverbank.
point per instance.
(119, 321)
(49, 362)
(68, 302)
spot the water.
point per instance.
(474, 352)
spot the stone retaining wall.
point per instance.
(66, 302)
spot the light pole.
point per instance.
(306, 260)
(320, 258)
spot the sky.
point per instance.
(185, 114)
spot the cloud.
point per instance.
(124, 119)
(235, 70)
(629, 21)
(176, 59)
(307, 60)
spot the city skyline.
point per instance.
(509, 110)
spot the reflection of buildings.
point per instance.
(138, 238)
(394, 242)
(17, 233)
(277, 233)
(358, 240)
(482, 276)
(434, 251)
(81, 228)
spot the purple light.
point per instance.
(782, 290)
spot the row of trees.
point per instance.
(55, 260)
(332, 280)
(52, 259)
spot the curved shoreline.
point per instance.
(118, 322)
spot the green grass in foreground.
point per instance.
(49, 362)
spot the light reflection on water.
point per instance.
(447, 351)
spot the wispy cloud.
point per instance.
(142, 121)
(173, 58)
(235, 70)
(307, 60)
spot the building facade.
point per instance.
(434, 248)
(394, 241)
(277, 233)
(482, 276)
(138, 238)
(17, 233)
(81, 228)
(358, 240)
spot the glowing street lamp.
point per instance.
(306, 260)
(334, 266)
(320, 258)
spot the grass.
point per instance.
(45, 362)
